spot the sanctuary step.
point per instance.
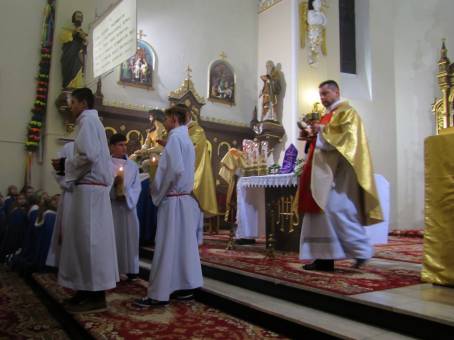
(294, 319)
(400, 310)
(123, 320)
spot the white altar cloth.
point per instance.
(251, 202)
(251, 205)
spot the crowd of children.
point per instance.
(27, 220)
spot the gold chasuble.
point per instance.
(204, 188)
(346, 133)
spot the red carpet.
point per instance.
(179, 320)
(287, 268)
(406, 249)
(22, 315)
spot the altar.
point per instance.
(264, 210)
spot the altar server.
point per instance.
(176, 263)
(124, 196)
(88, 259)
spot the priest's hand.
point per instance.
(315, 128)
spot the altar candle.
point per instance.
(264, 149)
(256, 152)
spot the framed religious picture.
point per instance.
(139, 69)
(221, 82)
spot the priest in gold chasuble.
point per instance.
(337, 192)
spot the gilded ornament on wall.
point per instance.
(313, 23)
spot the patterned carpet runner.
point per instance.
(394, 265)
(178, 320)
(22, 314)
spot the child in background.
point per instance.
(16, 224)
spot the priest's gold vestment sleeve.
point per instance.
(346, 133)
(204, 188)
(438, 263)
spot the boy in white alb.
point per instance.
(176, 265)
(124, 196)
(88, 258)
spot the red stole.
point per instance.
(306, 203)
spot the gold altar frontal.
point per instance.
(438, 265)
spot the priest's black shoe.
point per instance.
(321, 265)
(359, 263)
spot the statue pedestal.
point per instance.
(63, 106)
(269, 130)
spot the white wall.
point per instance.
(195, 32)
(420, 26)
(20, 24)
(54, 122)
(309, 77)
(372, 91)
(398, 47)
(277, 41)
(398, 44)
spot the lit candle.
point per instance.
(264, 149)
(119, 188)
(153, 166)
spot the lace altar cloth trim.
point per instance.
(280, 180)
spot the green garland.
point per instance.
(42, 89)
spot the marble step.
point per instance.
(306, 318)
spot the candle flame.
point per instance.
(121, 168)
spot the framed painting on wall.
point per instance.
(221, 82)
(139, 69)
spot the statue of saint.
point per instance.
(156, 134)
(270, 91)
(73, 53)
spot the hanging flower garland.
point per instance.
(40, 104)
